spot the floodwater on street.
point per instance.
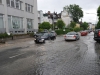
(58, 57)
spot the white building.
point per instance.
(40, 17)
(46, 18)
(18, 16)
(66, 17)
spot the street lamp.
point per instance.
(53, 16)
(94, 14)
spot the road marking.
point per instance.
(16, 55)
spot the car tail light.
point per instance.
(64, 36)
(99, 33)
(74, 36)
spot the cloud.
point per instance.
(89, 6)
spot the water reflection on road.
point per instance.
(58, 58)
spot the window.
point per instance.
(8, 2)
(15, 22)
(0, 1)
(17, 4)
(28, 7)
(12, 3)
(9, 22)
(29, 23)
(20, 5)
(1, 21)
(31, 8)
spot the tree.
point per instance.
(75, 11)
(98, 14)
(84, 25)
(45, 25)
(72, 24)
(60, 24)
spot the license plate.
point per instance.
(40, 40)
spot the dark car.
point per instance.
(39, 39)
(97, 35)
(53, 35)
(46, 36)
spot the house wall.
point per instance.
(6, 10)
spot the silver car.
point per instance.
(72, 36)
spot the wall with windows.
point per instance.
(15, 12)
(19, 15)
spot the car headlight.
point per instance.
(42, 39)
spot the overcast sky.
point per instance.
(88, 6)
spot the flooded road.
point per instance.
(56, 57)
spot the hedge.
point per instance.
(61, 31)
(4, 35)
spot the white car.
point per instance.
(72, 36)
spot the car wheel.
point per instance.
(97, 41)
(36, 42)
(44, 41)
(76, 39)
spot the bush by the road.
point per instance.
(4, 35)
(77, 29)
(62, 31)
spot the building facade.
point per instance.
(66, 17)
(40, 17)
(18, 16)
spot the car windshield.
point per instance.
(71, 33)
(45, 34)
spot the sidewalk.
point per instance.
(15, 41)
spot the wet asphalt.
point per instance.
(58, 57)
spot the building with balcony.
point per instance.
(66, 16)
(18, 16)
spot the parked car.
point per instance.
(97, 35)
(84, 33)
(39, 39)
(53, 35)
(72, 36)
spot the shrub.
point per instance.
(77, 29)
(4, 35)
(40, 30)
(61, 31)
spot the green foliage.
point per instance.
(75, 11)
(40, 30)
(77, 29)
(84, 26)
(60, 24)
(72, 24)
(45, 25)
(98, 25)
(98, 11)
(61, 31)
(98, 14)
(4, 35)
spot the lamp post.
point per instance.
(53, 16)
(95, 15)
